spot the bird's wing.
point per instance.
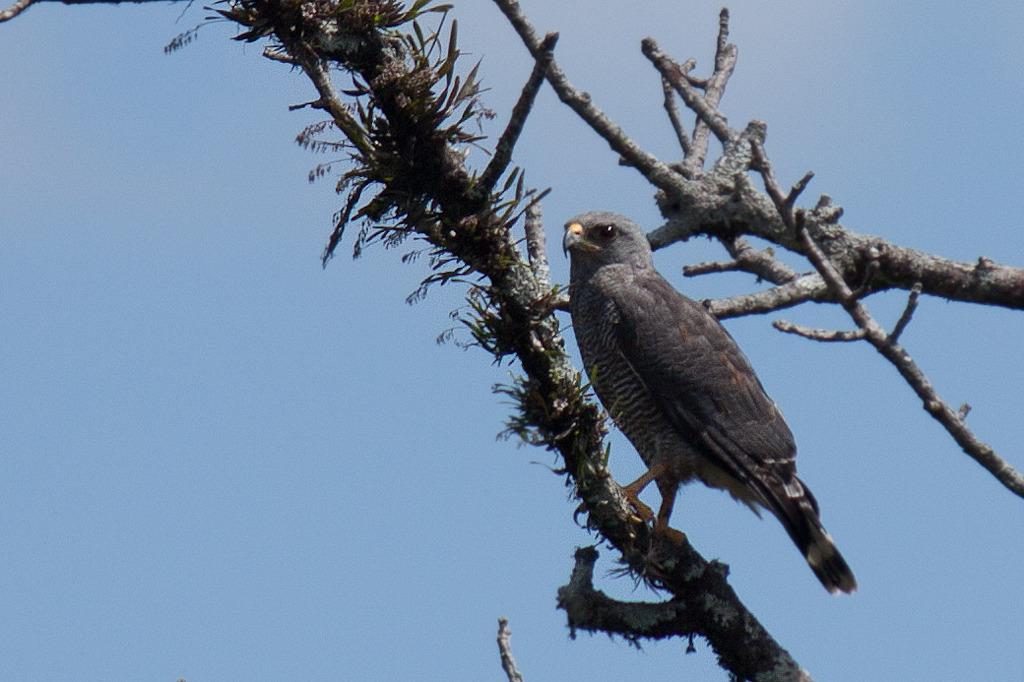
(703, 384)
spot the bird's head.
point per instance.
(600, 238)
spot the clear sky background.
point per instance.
(220, 462)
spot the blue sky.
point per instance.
(220, 462)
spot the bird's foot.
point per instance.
(641, 512)
(632, 494)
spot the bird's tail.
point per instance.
(827, 563)
(798, 513)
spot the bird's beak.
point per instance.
(574, 239)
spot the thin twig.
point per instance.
(806, 288)
(798, 188)
(15, 9)
(657, 172)
(508, 663)
(709, 268)
(708, 114)
(908, 369)
(714, 88)
(507, 142)
(884, 343)
(279, 56)
(908, 312)
(672, 109)
(771, 184)
(331, 102)
(818, 334)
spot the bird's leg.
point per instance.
(668, 490)
(668, 487)
(633, 490)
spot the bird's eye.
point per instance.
(604, 233)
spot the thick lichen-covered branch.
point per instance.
(592, 610)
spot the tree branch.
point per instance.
(503, 149)
(593, 611)
(722, 205)
(672, 110)
(20, 6)
(508, 663)
(709, 118)
(818, 334)
(884, 343)
(908, 312)
(657, 172)
(801, 290)
(536, 245)
(329, 100)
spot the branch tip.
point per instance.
(818, 334)
(508, 662)
(15, 9)
(908, 313)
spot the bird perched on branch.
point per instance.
(682, 392)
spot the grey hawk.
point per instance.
(681, 391)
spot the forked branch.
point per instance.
(885, 343)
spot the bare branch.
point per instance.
(15, 9)
(761, 164)
(908, 313)
(654, 170)
(714, 88)
(703, 106)
(806, 288)
(716, 208)
(818, 334)
(20, 6)
(672, 109)
(507, 142)
(872, 332)
(508, 663)
(886, 345)
(708, 268)
(797, 188)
